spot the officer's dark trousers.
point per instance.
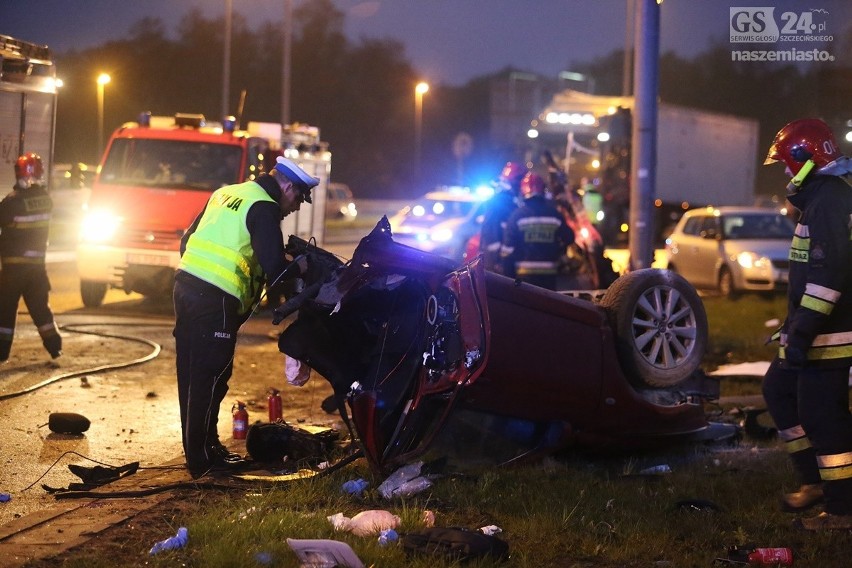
(206, 324)
(31, 282)
(810, 407)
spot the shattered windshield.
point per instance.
(172, 164)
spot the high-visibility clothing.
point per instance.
(220, 250)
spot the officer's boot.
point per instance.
(5, 349)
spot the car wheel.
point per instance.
(726, 284)
(660, 326)
(92, 293)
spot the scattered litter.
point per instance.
(455, 543)
(84, 383)
(263, 558)
(5, 497)
(429, 518)
(355, 487)
(490, 530)
(320, 553)
(387, 536)
(365, 523)
(173, 542)
(405, 482)
(151, 394)
(774, 322)
(297, 373)
(656, 470)
(698, 505)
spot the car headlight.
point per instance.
(442, 235)
(749, 259)
(99, 227)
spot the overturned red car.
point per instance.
(427, 357)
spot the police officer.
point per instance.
(24, 224)
(233, 247)
(807, 385)
(536, 237)
(497, 212)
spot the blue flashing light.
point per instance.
(145, 118)
(229, 124)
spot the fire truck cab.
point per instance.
(154, 178)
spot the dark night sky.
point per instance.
(449, 41)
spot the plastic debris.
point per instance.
(365, 523)
(405, 482)
(171, 543)
(490, 530)
(263, 558)
(5, 497)
(324, 553)
(656, 470)
(297, 373)
(428, 518)
(355, 487)
(387, 536)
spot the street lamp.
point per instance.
(419, 90)
(103, 79)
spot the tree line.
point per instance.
(360, 93)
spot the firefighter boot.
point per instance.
(53, 344)
(825, 522)
(806, 497)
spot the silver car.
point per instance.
(732, 249)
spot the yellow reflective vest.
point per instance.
(219, 251)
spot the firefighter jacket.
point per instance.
(535, 239)
(219, 249)
(24, 225)
(497, 212)
(819, 295)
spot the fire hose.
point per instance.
(74, 328)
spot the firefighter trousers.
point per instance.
(206, 324)
(810, 407)
(30, 282)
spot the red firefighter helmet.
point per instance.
(803, 140)
(532, 185)
(512, 174)
(29, 169)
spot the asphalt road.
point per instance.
(133, 409)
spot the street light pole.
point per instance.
(419, 91)
(103, 79)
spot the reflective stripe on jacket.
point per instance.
(25, 221)
(220, 251)
(819, 293)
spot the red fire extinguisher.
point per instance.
(240, 420)
(274, 404)
(761, 556)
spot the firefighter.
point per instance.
(807, 385)
(536, 237)
(24, 224)
(497, 212)
(231, 250)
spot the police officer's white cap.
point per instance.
(294, 173)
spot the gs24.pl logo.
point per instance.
(752, 24)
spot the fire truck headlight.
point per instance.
(99, 227)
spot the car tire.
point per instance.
(93, 293)
(660, 327)
(726, 284)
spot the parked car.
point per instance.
(732, 249)
(442, 221)
(428, 356)
(339, 202)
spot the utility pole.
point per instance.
(226, 60)
(644, 137)
(287, 61)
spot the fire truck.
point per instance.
(156, 175)
(27, 105)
